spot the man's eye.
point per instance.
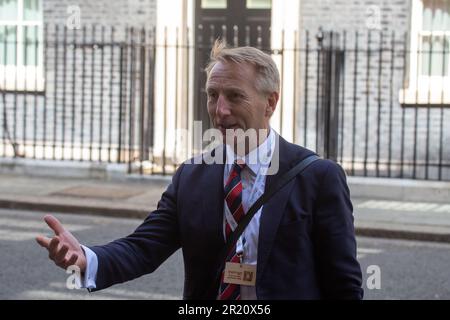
(236, 96)
(212, 96)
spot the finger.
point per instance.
(53, 247)
(71, 261)
(43, 241)
(66, 263)
(54, 224)
(61, 253)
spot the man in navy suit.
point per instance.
(300, 244)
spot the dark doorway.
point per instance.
(240, 23)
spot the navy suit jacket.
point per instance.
(306, 249)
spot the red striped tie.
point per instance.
(233, 198)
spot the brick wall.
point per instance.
(373, 79)
(119, 13)
(81, 102)
(354, 15)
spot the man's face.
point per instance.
(234, 102)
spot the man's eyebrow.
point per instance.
(236, 89)
(226, 89)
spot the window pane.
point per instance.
(436, 15)
(31, 10)
(435, 53)
(214, 4)
(8, 9)
(8, 45)
(30, 46)
(259, 4)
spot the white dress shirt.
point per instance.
(90, 275)
(253, 178)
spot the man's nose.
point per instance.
(223, 108)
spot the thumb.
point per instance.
(54, 224)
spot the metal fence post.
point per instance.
(329, 72)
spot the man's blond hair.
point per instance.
(267, 75)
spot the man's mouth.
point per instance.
(228, 127)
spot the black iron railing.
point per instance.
(369, 100)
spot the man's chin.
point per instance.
(229, 130)
(232, 141)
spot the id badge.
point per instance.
(239, 273)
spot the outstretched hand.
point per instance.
(63, 248)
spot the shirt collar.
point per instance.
(259, 158)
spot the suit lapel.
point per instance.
(273, 210)
(213, 202)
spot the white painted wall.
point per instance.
(285, 16)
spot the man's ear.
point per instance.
(272, 101)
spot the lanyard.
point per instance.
(240, 247)
(255, 192)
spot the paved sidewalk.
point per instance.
(136, 198)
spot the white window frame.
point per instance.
(20, 77)
(423, 89)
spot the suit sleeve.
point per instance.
(339, 271)
(146, 248)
